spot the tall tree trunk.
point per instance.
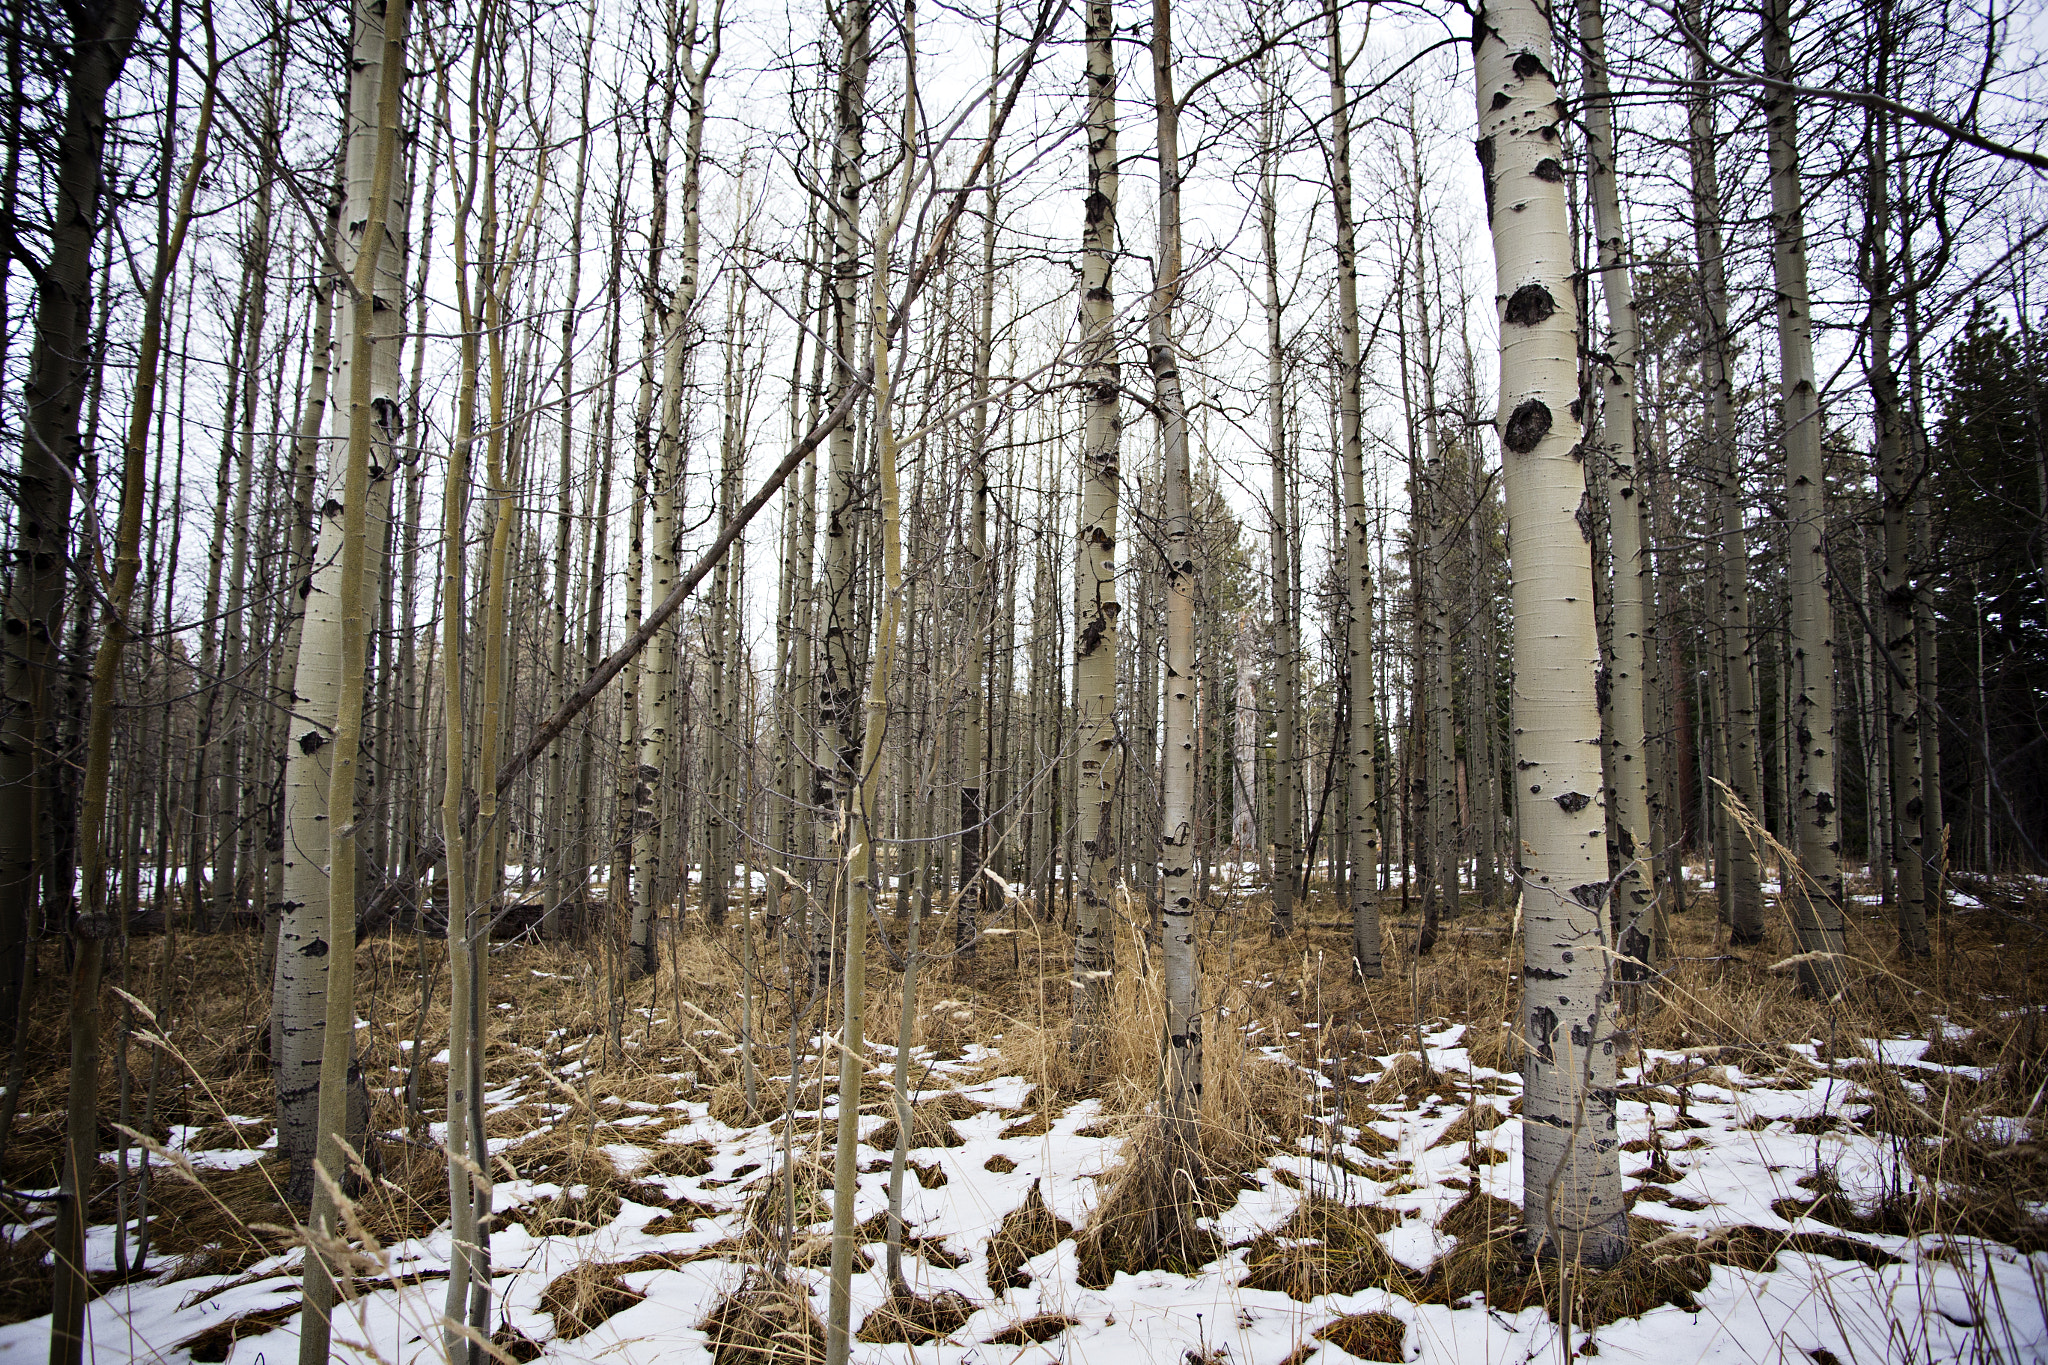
(1572, 1200)
(1281, 822)
(1815, 895)
(377, 275)
(1628, 790)
(325, 683)
(1097, 749)
(60, 370)
(1744, 880)
(1361, 744)
(1182, 1083)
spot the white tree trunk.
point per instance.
(1361, 743)
(1816, 895)
(1571, 1168)
(303, 956)
(1095, 589)
(1628, 789)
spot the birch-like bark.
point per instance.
(1435, 548)
(1361, 743)
(1281, 822)
(1897, 482)
(1632, 907)
(1098, 754)
(1572, 1201)
(974, 738)
(1739, 724)
(376, 280)
(1815, 895)
(324, 684)
(1178, 885)
(863, 830)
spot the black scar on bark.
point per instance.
(1542, 974)
(1529, 305)
(1571, 803)
(1603, 688)
(317, 948)
(1484, 149)
(1549, 169)
(1824, 802)
(1527, 425)
(1543, 1025)
(1500, 99)
(1590, 894)
(1527, 65)
(311, 742)
(1584, 517)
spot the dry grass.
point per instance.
(931, 1123)
(1148, 1217)
(1325, 1247)
(1369, 1336)
(916, 1319)
(765, 1322)
(1029, 1230)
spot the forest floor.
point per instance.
(1822, 1186)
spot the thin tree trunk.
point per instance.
(1097, 750)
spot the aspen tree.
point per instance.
(60, 369)
(1182, 1082)
(1361, 744)
(862, 830)
(88, 930)
(837, 683)
(1815, 892)
(1572, 1200)
(1433, 548)
(1897, 480)
(1098, 759)
(372, 421)
(974, 738)
(1281, 823)
(1738, 727)
(658, 694)
(324, 683)
(1632, 905)
(565, 860)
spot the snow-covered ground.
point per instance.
(1734, 1154)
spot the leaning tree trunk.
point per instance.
(1361, 744)
(1572, 1202)
(1095, 588)
(1815, 893)
(1628, 789)
(305, 947)
(974, 707)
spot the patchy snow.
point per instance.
(1737, 1146)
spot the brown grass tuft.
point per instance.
(1029, 1332)
(931, 1123)
(764, 1322)
(1369, 1336)
(916, 1319)
(1149, 1215)
(1325, 1247)
(1029, 1230)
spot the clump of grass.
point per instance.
(931, 1123)
(217, 1341)
(916, 1319)
(1661, 1267)
(765, 1322)
(1030, 1230)
(1369, 1336)
(1031, 1331)
(587, 1296)
(795, 1193)
(1150, 1217)
(1325, 1247)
